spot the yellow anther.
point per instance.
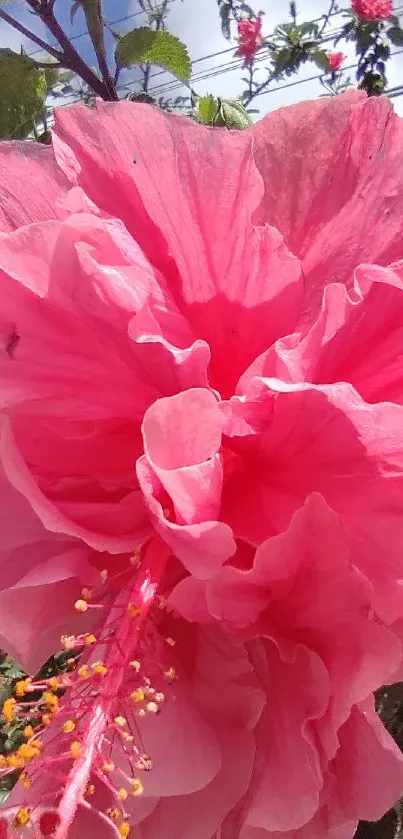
(124, 830)
(138, 695)
(100, 669)
(21, 687)
(89, 640)
(160, 697)
(136, 665)
(53, 683)
(28, 731)
(75, 749)
(68, 642)
(120, 721)
(170, 642)
(133, 610)
(122, 794)
(136, 787)
(90, 789)
(81, 605)
(152, 707)
(15, 761)
(51, 701)
(46, 719)
(3, 762)
(141, 712)
(27, 751)
(22, 817)
(26, 783)
(170, 674)
(113, 813)
(68, 726)
(9, 709)
(86, 594)
(108, 766)
(127, 737)
(104, 575)
(83, 672)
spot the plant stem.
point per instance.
(31, 35)
(70, 57)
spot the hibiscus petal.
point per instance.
(287, 764)
(324, 439)
(182, 437)
(199, 816)
(369, 766)
(349, 140)
(238, 285)
(203, 547)
(355, 338)
(22, 167)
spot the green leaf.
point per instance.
(395, 34)
(206, 110)
(225, 12)
(234, 114)
(321, 60)
(23, 91)
(147, 46)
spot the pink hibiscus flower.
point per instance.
(250, 38)
(202, 409)
(372, 9)
(335, 60)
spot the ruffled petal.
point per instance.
(238, 285)
(23, 167)
(343, 158)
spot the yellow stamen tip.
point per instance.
(75, 749)
(120, 721)
(90, 639)
(81, 606)
(124, 830)
(68, 726)
(21, 687)
(138, 695)
(100, 669)
(108, 766)
(9, 709)
(28, 731)
(136, 787)
(122, 794)
(83, 672)
(23, 817)
(136, 665)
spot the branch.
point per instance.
(69, 57)
(327, 17)
(31, 35)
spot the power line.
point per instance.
(210, 72)
(172, 85)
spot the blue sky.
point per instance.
(197, 23)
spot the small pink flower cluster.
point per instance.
(335, 60)
(250, 38)
(372, 9)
